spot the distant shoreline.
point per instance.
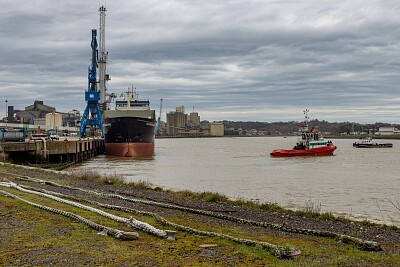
(389, 137)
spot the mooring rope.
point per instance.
(130, 222)
(276, 250)
(360, 243)
(104, 229)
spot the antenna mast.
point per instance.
(306, 119)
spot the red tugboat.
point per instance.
(310, 144)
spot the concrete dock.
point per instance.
(44, 152)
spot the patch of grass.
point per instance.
(186, 193)
(97, 178)
(141, 184)
(158, 189)
(392, 228)
(366, 223)
(265, 206)
(212, 197)
(327, 216)
(92, 176)
(312, 207)
(272, 207)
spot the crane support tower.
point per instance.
(102, 61)
(92, 115)
(159, 119)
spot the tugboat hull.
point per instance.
(320, 151)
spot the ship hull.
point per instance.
(320, 151)
(372, 145)
(129, 133)
(134, 150)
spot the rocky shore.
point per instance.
(320, 240)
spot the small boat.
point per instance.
(311, 143)
(367, 142)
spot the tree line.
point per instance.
(291, 127)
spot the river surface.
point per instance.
(362, 183)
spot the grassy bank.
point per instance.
(31, 236)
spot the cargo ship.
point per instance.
(129, 129)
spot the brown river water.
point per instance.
(362, 183)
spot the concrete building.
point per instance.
(36, 115)
(180, 109)
(216, 129)
(40, 121)
(70, 119)
(189, 125)
(53, 120)
(387, 130)
(176, 121)
(30, 113)
(194, 119)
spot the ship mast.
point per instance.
(306, 119)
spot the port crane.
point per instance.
(92, 115)
(159, 119)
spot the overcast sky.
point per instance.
(244, 60)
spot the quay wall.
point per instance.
(45, 151)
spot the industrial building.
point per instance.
(30, 113)
(194, 119)
(387, 130)
(42, 115)
(181, 124)
(216, 129)
(176, 121)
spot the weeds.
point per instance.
(395, 203)
(142, 184)
(213, 197)
(267, 206)
(312, 207)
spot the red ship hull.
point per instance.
(134, 150)
(320, 151)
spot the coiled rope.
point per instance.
(130, 222)
(276, 250)
(360, 243)
(104, 229)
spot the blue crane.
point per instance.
(92, 115)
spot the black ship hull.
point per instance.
(129, 136)
(372, 145)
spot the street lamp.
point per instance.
(6, 111)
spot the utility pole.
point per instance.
(6, 111)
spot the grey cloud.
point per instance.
(247, 60)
